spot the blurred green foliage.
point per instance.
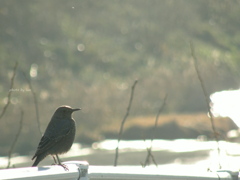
(88, 53)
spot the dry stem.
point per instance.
(10, 90)
(35, 102)
(206, 95)
(149, 150)
(15, 140)
(123, 122)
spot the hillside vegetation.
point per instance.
(88, 53)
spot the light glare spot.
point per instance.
(34, 71)
(44, 95)
(226, 104)
(47, 53)
(138, 46)
(80, 47)
(122, 86)
(14, 100)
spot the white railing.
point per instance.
(76, 170)
(81, 170)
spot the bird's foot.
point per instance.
(64, 166)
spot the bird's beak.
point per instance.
(77, 109)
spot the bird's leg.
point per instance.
(63, 165)
(55, 162)
(59, 161)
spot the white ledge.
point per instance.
(81, 170)
(76, 169)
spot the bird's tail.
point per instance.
(35, 163)
(38, 159)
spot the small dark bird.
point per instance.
(59, 135)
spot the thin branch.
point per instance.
(157, 117)
(206, 95)
(149, 155)
(10, 90)
(15, 140)
(124, 120)
(149, 150)
(35, 102)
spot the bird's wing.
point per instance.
(58, 129)
(45, 144)
(54, 133)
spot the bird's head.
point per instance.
(65, 111)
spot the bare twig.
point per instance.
(15, 140)
(124, 120)
(10, 90)
(149, 150)
(149, 155)
(35, 102)
(157, 117)
(207, 99)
